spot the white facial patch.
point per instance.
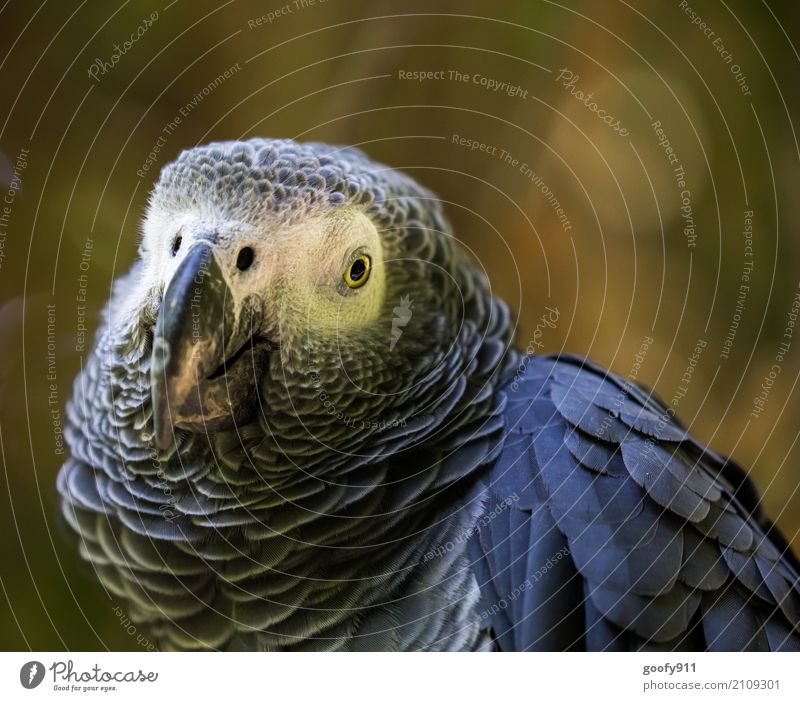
(297, 271)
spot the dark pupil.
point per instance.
(245, 258)
(357, 270)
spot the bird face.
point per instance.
(235, 291)
(283, 281)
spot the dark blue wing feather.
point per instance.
(609, 527)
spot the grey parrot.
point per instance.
(304, 426)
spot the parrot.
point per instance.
(305, 424)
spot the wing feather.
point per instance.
(664, 543)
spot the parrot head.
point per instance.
(272, 271)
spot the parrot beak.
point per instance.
(198, 338)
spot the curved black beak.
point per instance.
(196, 326)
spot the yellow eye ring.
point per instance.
(358, 272)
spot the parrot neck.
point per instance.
(386, 525)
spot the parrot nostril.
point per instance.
(176, 245)
(245, 258)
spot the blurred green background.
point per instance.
(631, 287)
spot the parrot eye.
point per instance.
(176, 245)
(358, 272)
